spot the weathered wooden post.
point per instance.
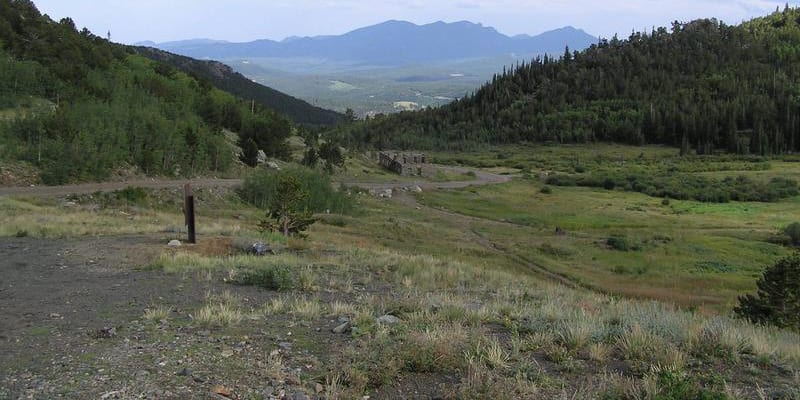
(189, 212)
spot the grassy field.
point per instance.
(690, 253)
(474, 277)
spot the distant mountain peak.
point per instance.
(394, 42)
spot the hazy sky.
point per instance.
(243, 20)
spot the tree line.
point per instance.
(703, 86)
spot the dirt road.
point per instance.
(481, 178)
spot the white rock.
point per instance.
(174, 243)
(388, 319)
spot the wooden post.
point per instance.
(189, 212)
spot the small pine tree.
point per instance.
(287, 214)
(778, 298)
(250, 152)
(332, 155)
(310, 157)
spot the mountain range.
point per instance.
(392, 43)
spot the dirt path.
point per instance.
(465, 223)
(481, 178)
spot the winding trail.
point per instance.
(481, 178)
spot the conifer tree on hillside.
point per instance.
(777, 301)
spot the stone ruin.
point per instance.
(406, 164)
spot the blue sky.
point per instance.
(244, 20)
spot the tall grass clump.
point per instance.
(260, 188)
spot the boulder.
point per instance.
(174, 243)
(388, 320)
(343, 328)
(261, 249)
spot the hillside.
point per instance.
(702, 85)
(393, 43)
(78, 107)
(225, 78)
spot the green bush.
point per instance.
(685, 186)
(793, 232)
(777, 301)
(260, 189)
(131, 195)
(547, 190)
(269, 277)
(621, 243)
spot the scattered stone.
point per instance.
(385, 193)
(105, 333)
(388, 320)
(285, 346)
(416, 189)
(204, 333)
(185, 372)
(273, 165)
(69, 204)
(111, 395)
(55, 315)
(174, 243)
(261, 249)
(261, 158)
(300, 396)
(343, 328)
(318, 388)
(222, 391)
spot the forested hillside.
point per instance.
(225, 78)
(702, 85)
(78, 107)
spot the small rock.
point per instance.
(261, 249)
(300, 396)
(318, 388)
(174, 243)
(343, 328)
(55, 315)
(185, 372)
(285, 346)
(268, 391)
(105, 333)
(68, 204)
(204, 333)
(388, 319)
(222, 391)
(416, 189)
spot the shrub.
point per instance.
(131, 195)
(793, 232)
(270, 277)
(261, 188)
(778, 299)
(547, 190)
(621, 243)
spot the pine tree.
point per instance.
(778, 298)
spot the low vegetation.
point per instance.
(684, 186)
(514, 336)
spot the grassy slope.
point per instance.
(473, 318)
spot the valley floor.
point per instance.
(448, 293)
